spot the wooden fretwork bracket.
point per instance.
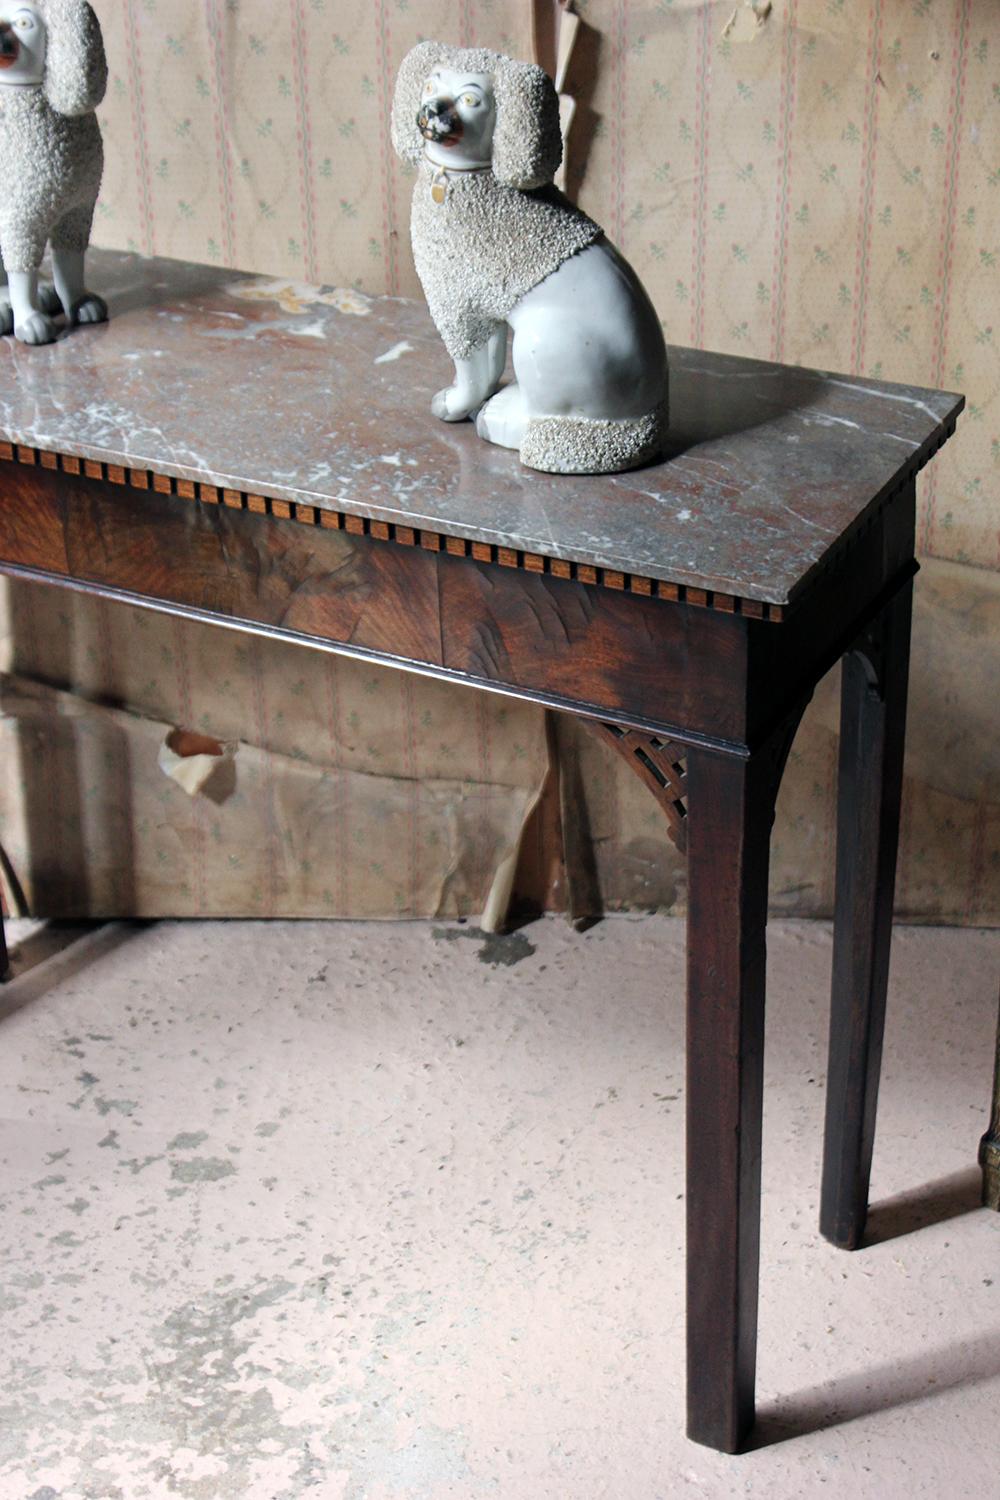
(662, 764)
(659, 763)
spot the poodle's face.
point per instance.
(22, 44)
(470, 107)
(457, 117)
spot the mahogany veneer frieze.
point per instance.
(383, 531)
(560, 640)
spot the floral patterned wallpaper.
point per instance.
(819, 186)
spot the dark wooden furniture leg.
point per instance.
(989, 1146)
(872, 728)
(4, 957)
(730, 808)
(720, 807)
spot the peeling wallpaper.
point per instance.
(823, 189)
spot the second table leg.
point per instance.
(872, 729)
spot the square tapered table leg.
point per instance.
(730, 812)
(872, 730)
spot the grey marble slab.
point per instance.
(322, 396)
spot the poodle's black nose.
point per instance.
(438, 120)
(9, 44)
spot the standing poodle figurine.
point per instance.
(53, 75)
(496, 244)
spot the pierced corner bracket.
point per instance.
(659, 763)
(662, 764)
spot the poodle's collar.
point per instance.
(441, 177)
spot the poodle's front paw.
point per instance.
(453, 404)
(89, 309)
(48, 302)
(37, 328)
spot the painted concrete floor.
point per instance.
(395, 1213)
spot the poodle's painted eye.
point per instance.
(470, 99)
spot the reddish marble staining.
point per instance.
(769, 466)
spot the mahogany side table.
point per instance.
(261, 455)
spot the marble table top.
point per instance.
(322, 396)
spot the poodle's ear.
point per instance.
(76, 69)
(527, 142)
(413, 70)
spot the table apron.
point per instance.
(584, 649)
(694, 675)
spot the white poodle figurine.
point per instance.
(496, 244)
(53, 74)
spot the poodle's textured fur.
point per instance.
(51, 154)
(529, 235)
(500, 232)
(530, 232)
(589, 445)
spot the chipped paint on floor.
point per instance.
(371, 1213)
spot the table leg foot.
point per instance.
(989, 1146)
(989, 1160)
(873, 717)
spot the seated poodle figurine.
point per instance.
(53, 75)
(496, 244)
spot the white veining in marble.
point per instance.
(397, 350)
(322, 395)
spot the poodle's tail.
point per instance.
(593, 445)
